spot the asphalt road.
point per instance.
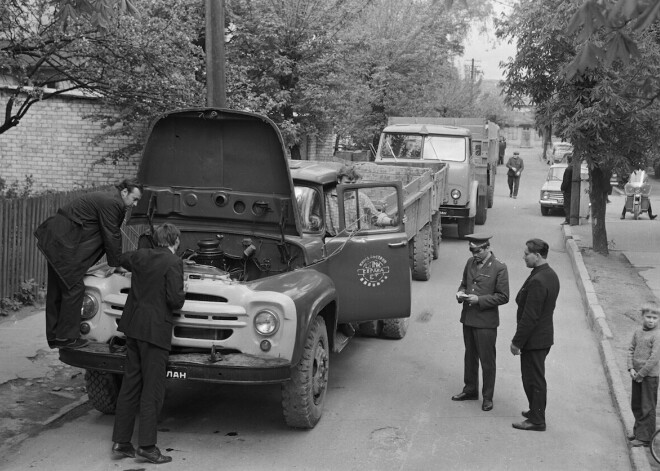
(389, 404)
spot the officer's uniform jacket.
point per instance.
(490, 283)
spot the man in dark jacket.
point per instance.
(72, 241)
(157, 289)
(535, 332)
(515, 165)
(484, 287)
(566, 185)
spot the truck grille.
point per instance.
(202, 334)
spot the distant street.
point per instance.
(389, 402)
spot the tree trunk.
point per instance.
(598, 197)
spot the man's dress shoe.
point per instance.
(527, 425)
(465, 397)
(123, 450)
(155, 456)
(487, 405)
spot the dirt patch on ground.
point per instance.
(29, 405)
(621, 291)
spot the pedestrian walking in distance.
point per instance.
(515, 165)
(534, 335)
(72, 241)
(157, 289)
(644, 369)
(484, 287)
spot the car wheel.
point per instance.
(304, 394)
(545, 210)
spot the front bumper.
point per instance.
(232, 368)
(454, 212)
(552, 203)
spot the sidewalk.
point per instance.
(36, 389)
(639, 242)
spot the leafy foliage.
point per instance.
(605, 112)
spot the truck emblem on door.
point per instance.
(373, 270)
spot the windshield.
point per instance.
(556, 173)
(417, 146)
(638, 176)
(451, 148)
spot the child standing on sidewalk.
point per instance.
(644, 369)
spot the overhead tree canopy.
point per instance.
(604, 111)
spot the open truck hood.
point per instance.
(208, 165)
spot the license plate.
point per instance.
(443, 212)
(173, 372)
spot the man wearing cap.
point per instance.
(484, 287)
(515, 165)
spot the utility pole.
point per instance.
(216, 94)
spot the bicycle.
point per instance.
(654, 445)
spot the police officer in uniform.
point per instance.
(484, 287)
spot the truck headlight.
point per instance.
(455, 194)
(266, 322)
(90, 306)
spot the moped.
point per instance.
(637, 191)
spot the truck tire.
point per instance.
(436, 234)
(465, 227)
(103, 389)
(422, 254)
(395, 328)
(491, 195)
(303, 395)
(371, 328)
(482, 210)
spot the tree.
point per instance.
(603, 112)
(140, 64)
(399, 61)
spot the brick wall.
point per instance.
(53, 143)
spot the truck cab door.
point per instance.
(367, 261)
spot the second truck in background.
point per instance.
(469, 147)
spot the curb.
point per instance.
(598, 322)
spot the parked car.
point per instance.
(559, 151)
(551, 196)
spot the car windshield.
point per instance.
(556, 173)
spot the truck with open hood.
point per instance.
(269, 293)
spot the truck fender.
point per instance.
(474, 191)
(313, 293)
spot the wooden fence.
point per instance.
(20, 259)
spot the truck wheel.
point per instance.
(482, 210)
(395, 328)
(436, 234)
(465, 227)
(103, 389)
(304, 394)
(422, 255)
(491, 195)
(371, 328)
(545, 210)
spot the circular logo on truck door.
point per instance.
(373, 270)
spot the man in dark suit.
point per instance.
(72, 241)
(535, 332)
(157, 289)
(566, 187)
(484, 287)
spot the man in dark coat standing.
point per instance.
(484, 287)
(157, 289)
(566, 186)
(72, 241)
(535, 332)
